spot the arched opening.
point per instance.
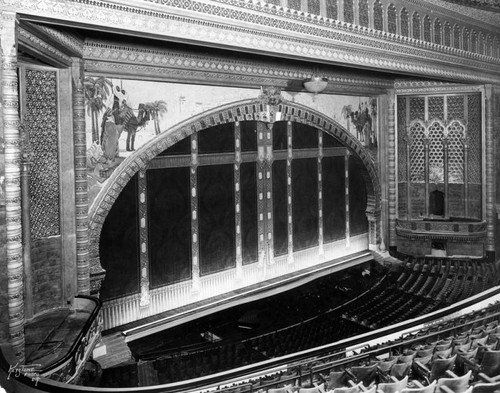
(256, 191)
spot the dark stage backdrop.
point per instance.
(280, 212)
(333, 173)
(249, 229)
(119, 245)
(305, 203)
(216, 218)
(169, 212)
(358, 222)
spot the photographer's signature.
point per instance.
(28, 370)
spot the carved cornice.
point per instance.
(429, 87)
(157, 64)
(32, 43)
(65, 41)
(311, 38)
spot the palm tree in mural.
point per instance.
(347, 114)
(97, 91)
(156, 110)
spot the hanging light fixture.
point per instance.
(315, 84)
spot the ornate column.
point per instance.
(427, 142)
(391, 166)
(445, 169)
(237, 200)
(320, 196)
(195, 246)
(347, 215)
(289, 158)
(143, 236)
(26, 162)
(10, 107)
(490, 173)
(466, 175)
(81, 188)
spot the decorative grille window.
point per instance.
(436, 163)
(378, 16)
(437, 31)
(417, 154)
(392, 19)
(348, 11)
(456, 132)
(363, 13)
(416, 25)
(332, 9)
(427, 29)
(457, 34)
(405, 28)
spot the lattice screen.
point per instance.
(417, 156)
(456, 132)
(474, 134)
(436, 165)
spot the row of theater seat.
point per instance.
(460, 356)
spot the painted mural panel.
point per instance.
(124, 114)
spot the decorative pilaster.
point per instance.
(289, 157)
(466, 175)
(347, 213)
(143, 238)
(446, 176)
(195, 246)
(427, 142)
(237, 199)
(391, 165)
(320, 196)
(10, 107)
(260, 194)
(490, 171)
(26, 162)
(269, 193)
(81, 187)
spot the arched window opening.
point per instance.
(466, 40)
(378, 16)
(348, 11)
(363, 13)
(457, 35)
(313, 7)
(405, 22)
(437, 32)
(427, 28)
(392, 19)
(332, 9)
(447, 34)
(416, 25)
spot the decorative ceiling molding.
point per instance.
(334, 43)
(67, 42)
(34, 45)
(426, 87)
(158, 64)
(483, 5)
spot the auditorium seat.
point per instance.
(489, 365)
(363, 374)
(421, 389)
(453, 383)
(438, 368)
(393, 387)
(484, 387)
(401, 370)
(316, 389)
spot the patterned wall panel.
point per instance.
(474, 135)
(402, 144)
(40, 121)
(435, 108)
(417, 157)
(436, 165)
(417, 108)
(456, 132)
(455, 107)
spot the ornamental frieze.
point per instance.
(153, 22)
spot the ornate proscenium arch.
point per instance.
(246, 110)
